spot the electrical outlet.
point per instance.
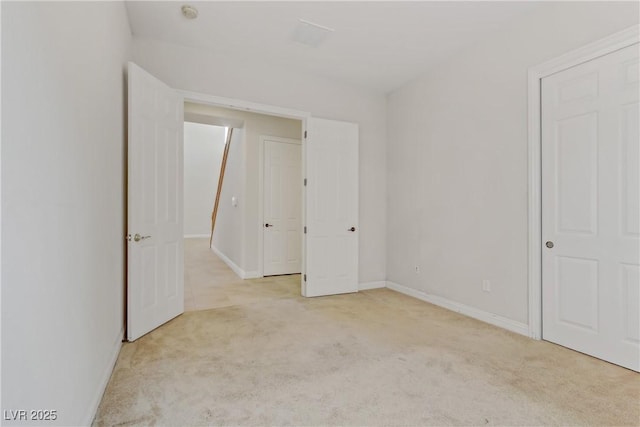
(486, 285)
(417, 268)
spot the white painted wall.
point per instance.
(63, 117)
(457, 159)
(228, 235)
(214, 72)
(203, 151)
(255, 125)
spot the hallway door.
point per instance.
(282, 226)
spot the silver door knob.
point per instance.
(549, 244)
(268, 225)
(137, 237)
(352, 229)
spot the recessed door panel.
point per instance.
(578, 88)
(577, 173)
(172, 257)
(577, 292)
(149, 277)
(629, 166)
(631, 72)
(148, 166)
(630, 275)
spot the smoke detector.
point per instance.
(189, 12)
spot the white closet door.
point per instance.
(590, 214)
(155, 267)
(331, 208)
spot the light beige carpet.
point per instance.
(366, 359)
(209, 283)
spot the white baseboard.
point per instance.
(104, 380)
(372, 285)
(251, 275)
(232, 265)
(195, 236)
(478, 314)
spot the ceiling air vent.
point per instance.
(311, 34)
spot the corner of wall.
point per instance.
(104, 379)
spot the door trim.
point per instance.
(264, 138)
(535, 75)
(238, 104)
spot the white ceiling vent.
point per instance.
(311, 34)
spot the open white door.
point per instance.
(331, 205)
(155, 278)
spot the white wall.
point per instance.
(254, 126)
(457, 159)
(229, 232)
(63, 115)
(219, 74)
(203, 150)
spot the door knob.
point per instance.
(549, 244)
(137, 237)
(352, 229)
(268, 225)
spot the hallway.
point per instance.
(209, 283)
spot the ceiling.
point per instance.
(377, 45)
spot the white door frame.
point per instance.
(271, 110)
(264, 138)
(586, 53)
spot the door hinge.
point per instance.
(305, 134)
(305, 182)
(305, 229)
(305, 277)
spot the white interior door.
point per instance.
(331, 157)
(590, 213)
(282, 252)
(155, 268)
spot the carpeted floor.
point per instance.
(374, 358)
(209, 283)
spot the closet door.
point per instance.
(590, 209)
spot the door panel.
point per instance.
(630, 281)
(155, 268)
(590, 211)
(331, 208)
(282, 251)
(577, 173)
(629, 165)
(577, 292)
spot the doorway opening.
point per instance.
(243, 204)
(155, 254)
